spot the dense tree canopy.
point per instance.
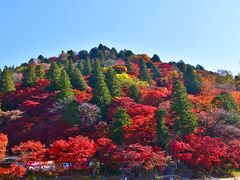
(115, 113)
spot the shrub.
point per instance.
(138, 156)
(200, 152)
(154, 97)
(13, 172)
(59, 105)
(226, 101)
(120, 69)
(88, 114)
(107, 149)
(30, 151)
(77, 150)
(234, 153)
(3, 145)
(126, 81)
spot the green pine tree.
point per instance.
(80, 66)
(69, 68)
(87, 67)
(40, 73)
(129, 66)
(155, 58)
(78, 81)
(112, 82)
(134, 92)
(96, 68)
(181, 66)
(192, 81)
(0, 73)
(7, 82)
(155, 71)
(63, 63)
(120, 119)
(0, 78)
(65, 86)
(53, 74)
(30, 78)
(143, 71)
(71, 113)
(162, 131)
(185, 120)
(101, 95)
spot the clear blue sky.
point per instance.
(205, 32)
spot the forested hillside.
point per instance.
(121, 112)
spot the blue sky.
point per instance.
(205, 32)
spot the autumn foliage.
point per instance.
(130, 106)
(3, 145)
(136, 155)
(200, 151)
(13, 172)
(30, 151)
(77, 150)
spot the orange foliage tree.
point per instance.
(77, 150)
(30, 151)
(3, 145)
(139, 156)
(14, 171)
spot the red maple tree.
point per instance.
(200, 151)
(3, 145)
(30, 151)
(77, 150)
